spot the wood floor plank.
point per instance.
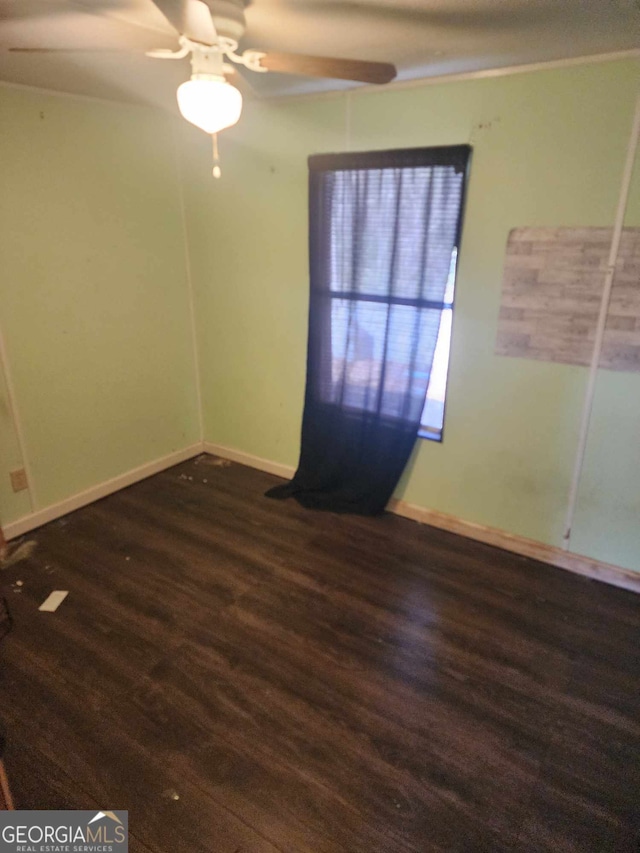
(313, 683)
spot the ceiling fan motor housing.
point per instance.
(228, 17)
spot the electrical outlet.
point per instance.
(19, 480)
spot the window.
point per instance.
(385, 230)
(432, 418)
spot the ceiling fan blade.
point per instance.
(191, 18)
(323, 66)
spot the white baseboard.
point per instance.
(277, 468)
(577, 563)
(50, 513)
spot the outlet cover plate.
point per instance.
(19, 480)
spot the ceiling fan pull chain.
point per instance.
(217, 171)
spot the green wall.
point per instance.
(94, 300)
(11, 505)
(607, 523)
(94, 296)
(549, 148)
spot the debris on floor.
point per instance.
(170, 794)
(53, 601)
(220, 463)
(20, 552)
(216, 461)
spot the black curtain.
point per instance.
(382, 230)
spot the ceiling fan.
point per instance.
(209, 32)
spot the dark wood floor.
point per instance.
(308, 683)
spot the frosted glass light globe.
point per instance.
(210, 103)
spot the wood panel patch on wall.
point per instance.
(551, 291)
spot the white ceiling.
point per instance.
(423, 38)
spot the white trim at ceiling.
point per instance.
(504, 71)
(57, 93)
(482, 74)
